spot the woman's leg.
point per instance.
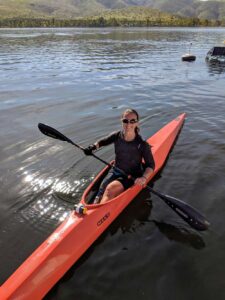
(112, 190)
(110, 177)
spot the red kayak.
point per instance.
(50, 261)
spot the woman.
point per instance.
(130, 150)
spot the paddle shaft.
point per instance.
(185, 211)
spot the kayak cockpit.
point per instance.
(92, 190)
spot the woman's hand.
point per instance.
(89, 150)
(142, 181)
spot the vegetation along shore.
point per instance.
(127, 17)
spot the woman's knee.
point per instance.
(114, 189)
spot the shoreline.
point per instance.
(100, 22)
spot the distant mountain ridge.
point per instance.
(69, 9)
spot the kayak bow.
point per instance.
(50, 261)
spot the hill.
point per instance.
(126, 17)
(69, 9)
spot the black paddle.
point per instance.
(185, 211)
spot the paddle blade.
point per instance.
(187, 213)
(53, 133)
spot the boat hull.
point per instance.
(215, 59)
(216, 55)
(188, 57)
(49, 262)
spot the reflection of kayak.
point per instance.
(38, 274)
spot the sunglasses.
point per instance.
(131, 121)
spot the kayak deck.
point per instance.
(49, 262)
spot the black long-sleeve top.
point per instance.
(130, 155)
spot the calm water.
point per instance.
(79, 81)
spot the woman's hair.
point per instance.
(132, 111)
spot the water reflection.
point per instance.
(46, 210)
(51, 198)
(134, 216)
(216, 68)
(181, 235)
(137, 215)
(55, 185)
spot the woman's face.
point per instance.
(129, 122)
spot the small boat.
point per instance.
(188, 57)
(54, 257)
(216, 54)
